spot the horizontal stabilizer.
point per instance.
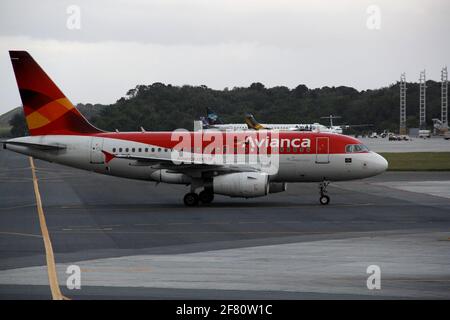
(39, 146)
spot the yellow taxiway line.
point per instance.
(51, 266)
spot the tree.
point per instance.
(167, 107)
(18, 125)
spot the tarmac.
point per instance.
(135, 240)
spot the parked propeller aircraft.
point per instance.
(239, 164)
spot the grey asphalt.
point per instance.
(133, 239)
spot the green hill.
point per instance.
(165, 107)
(5, 118)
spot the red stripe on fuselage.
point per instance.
(337, 142)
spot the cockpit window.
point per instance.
(355, 148)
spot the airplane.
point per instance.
(212, 121)
(59, 133)
(255, 125)
(340, 128)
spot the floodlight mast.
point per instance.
(402, 104)
(444, 98)
(422, 101)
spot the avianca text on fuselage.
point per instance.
(278, 143)
(59, 133)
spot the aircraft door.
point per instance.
(322, 150)
(97, 156)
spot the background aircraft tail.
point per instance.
(47, 110)
(212, 117)
(252, 123)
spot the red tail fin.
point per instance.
(47, 110)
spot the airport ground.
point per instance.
(417, 154)
(133, 239)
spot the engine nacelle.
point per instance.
(275, 187)
(242, 184)
(170, 177)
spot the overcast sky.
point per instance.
(222, 43)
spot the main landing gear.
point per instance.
(324, 199)
(191, 199)
(206, 196)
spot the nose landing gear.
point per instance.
(324, 198)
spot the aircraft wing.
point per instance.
(40, 146)
(186, 165)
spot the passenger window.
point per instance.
(153, 149)
(159, 149)
(120, 149)
(146, 149)
(114, 150)
(126, 150)
(133, 149)
(140, 150)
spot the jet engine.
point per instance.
(170, 177)
(275, 187)
(242, 184)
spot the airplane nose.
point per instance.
(380, 164)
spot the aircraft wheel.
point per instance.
(191, 199)
(324, 200)
(206, 197)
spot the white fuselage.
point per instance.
(85, 152)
